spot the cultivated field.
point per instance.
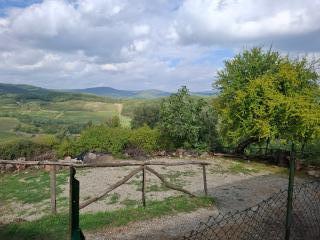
(34, 118)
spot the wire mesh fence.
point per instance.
(266, 220)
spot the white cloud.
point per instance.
(140, 30)
(145, 44)
(218, 22)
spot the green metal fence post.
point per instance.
(290, 192)
(75, 231)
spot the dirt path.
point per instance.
(119, 107)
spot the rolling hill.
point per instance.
(21, 92)
(28, 92)
(139, 94)
(116, 93)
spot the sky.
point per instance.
(145, 44)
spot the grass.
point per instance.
(8, 123)
(114, 198)
(174, 177)
(239, 167)
(30, 186)
(56, 227)
(229, 166)
(157, 188)
(130, 203)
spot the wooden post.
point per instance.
(290, 193)
(266, 150)
(53, 189)
(144, 186)
(204, 179)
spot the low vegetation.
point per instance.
(31, 186)
(56, 227)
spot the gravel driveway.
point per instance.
(233, 188)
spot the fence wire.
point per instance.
(266, 220)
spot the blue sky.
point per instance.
(143, 44)
(7, 4)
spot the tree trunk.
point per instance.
(245, 143)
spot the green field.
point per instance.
(25, 113)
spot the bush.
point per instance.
(110, 140)
(146, 114)
(145, 139)
(68, 147)
(22, 148)
(96, 138)
(188, 122)
(113, 122)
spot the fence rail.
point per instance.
(143, 166)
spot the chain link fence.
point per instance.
(266, 220)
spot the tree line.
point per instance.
(263, 97)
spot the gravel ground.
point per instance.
(232, 191)
(234, 186)
(235, 195)
(96, 180)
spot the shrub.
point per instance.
(104, 139)
(96, 138)
(145, 138)
(113, 122)
(146, 114)
(22, 148)
(68, 147)
(110, 140)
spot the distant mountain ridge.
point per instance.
(24, 91)
(116, 93)
(149, 93)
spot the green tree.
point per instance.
(146, 114)
(265, 95)
(185, 120)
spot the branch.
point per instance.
(167, 184)
(112, 187)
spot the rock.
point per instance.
(21, 159)
(135, 153)
(314, 173)
(67, 158)
(180, 152)
(47, 168)
(205, 155)
(92, 155)
(49, 155)
(89, 157)
(160, 153)
(76, 161)
(104, 158)
(21, 167)
(10, 167)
